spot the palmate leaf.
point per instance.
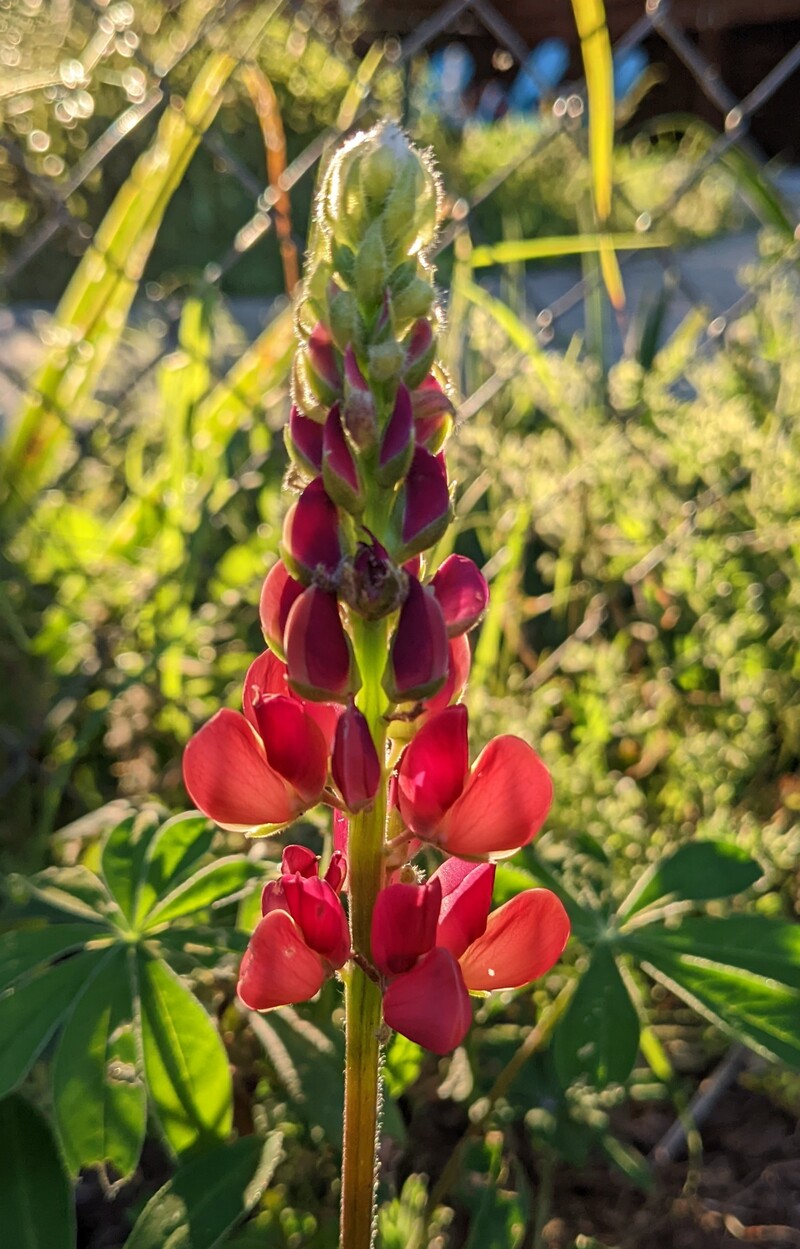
(172, 856)
(122, 860)
(200, 1205)
(25, 949)
(598, 1037)
(98, 1095)
(697, 872)
(742, 972)
(212, 885)
(35, 1194)
(185, 1063)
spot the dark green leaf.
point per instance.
(122, 862)
(185, 1062)
(209, 886)
(76, 891)
(35, 1194)
(742, 973)
(98, 1095)
(173, 854)
(598, 1037)
(208, 1196)
(24, 949)
(697, 872)
(30, 1014)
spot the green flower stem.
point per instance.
(362, 995)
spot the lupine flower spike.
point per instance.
(356, 701)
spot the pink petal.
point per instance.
(341, 829)
(311, 532)
(295, 746)
(430, 1004)
(278, 967)
(299, 861)
(523, 940)
(397, 444)
(226, 773)
(418, 655)
(318, 654)
(425, 502)
(277, 596)
(458, 666)
(404, 925)
(317, 910)
(304, 441)
(466, 899)
(433, 770)
(463, 595)
(503, 804)
(336, 872)
(355, 766)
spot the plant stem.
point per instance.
(362, 995)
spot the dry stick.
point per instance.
(533, 1042)
(701, 1105)
(265, 103)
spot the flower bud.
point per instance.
(371, 583)
(340, 471)
(415, 300)
(355, 766)
(397, 444)
(462, 594)
(303, 438)
(321, 366)
(371, 269)
(358, 409)
(343, 318)
(418, 654)
(423, 504)
(311, 538)
(278, 596)
(420, 348)
(319, 657)
(433, 413)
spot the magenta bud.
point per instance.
(299, 861)
(397, 444)
(355, 766)
(462, 593)
(311, 539)
(418, 655)
(433, 414)
(423, 505)
(303, 439)
(420, 348)
(277, 598)
(339, 468)
(336, 874)
(354, 378)
(322, 368)
(319, 658)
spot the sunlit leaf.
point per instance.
(512, 251)
(24, 949)
(210, 885)
(172, 855)
(123, 856)
(36, 1206)
(696, 872)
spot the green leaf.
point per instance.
(123, 856)
(741, 972)
(99, 1099)
(184, 1059)
(511, 880)
(35, 1194)
(187, 948)
(200, 1205)
(172, 856)
(402, 1066)
(75, 891)
(512, 251)
(25, 949)
(498, 1215)
(697, 872)
(210, 886)
(29, 1015)
(628, 1160)
(598, 1037)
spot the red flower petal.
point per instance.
(278, 967)
(397, 444)
(294, 744)
(503, 804)
(430, 1003)
(318, 655)
(466, 899)
(355, 766)
(336, 872)
(458, 666)
(311, 532)
(299, 861)
(522, 941)
(277, 596)
(267, 675)
(404, 925)
(425, 502)
(317, 909)
(341, 830)
(418, 656)
(339, 469)
(463, 595)
(227, 775)
(433, 770)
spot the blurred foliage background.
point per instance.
(629, 485)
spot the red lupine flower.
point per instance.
(301, 939)
(435, 943)
(463, 595)
(355, 766)
(319, 657)
(458, 665)
(278, 595)
(303, 438)
(423, 505)
(266, 766)
(491, 809)
(418, 653)
(311, 537)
